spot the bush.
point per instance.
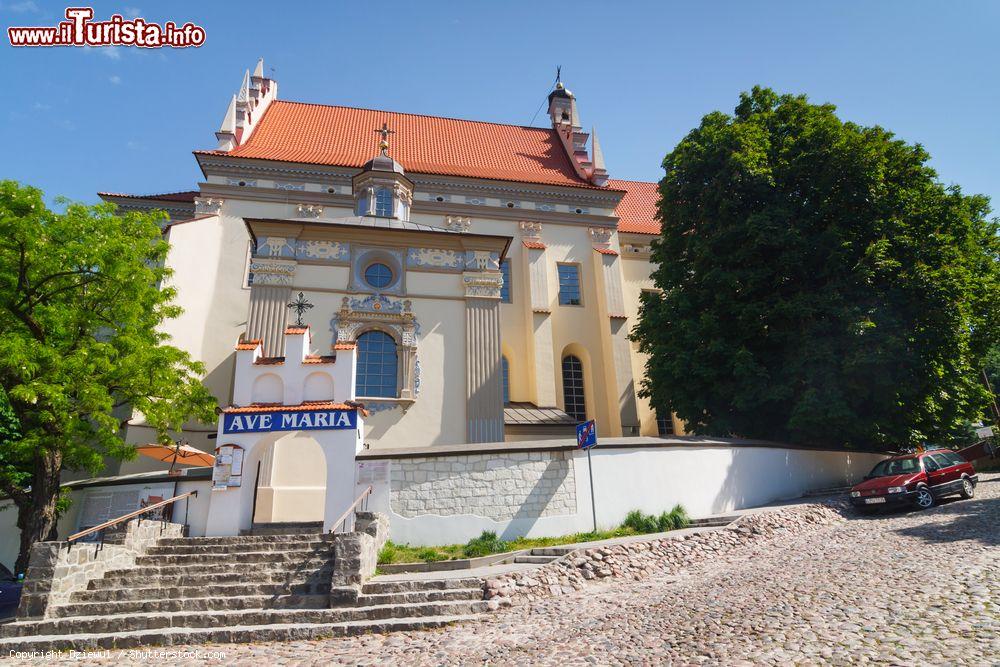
(388, 553)
(641, 523)
(487, 543)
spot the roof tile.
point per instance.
(342, 136)
(637, 211)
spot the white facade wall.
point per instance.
(438, 508)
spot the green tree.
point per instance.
(819, 285)
(81, 347)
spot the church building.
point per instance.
(486, 276)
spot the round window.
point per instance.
(378, 275)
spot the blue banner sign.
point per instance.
(586, 434)
(290, 420)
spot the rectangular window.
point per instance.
(505, 288)
(569, 285)
(247, 273)
(664, 424)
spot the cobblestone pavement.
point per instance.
(904, 588)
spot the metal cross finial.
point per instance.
(384, 132)
(558, 73)
(300, 305)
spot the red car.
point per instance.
(915, 479)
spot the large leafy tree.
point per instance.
(819, 285)
(81, 347)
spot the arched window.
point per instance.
(505, 375)
(383, 202)
(377, 365)
(572, 372)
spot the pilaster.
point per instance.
(484, 393)
(540, 333)
(269, 296)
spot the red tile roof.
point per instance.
(342, 136)
(306, 406)
(534, 245)
(606, 251)
(637, 209)
(269, 361)
(344, 346)
(249, 344)
(185, 196)
(319, 359)
(294, 330)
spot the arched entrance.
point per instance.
(290, 480)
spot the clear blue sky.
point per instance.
(77, 121)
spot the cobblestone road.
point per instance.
(906, 588)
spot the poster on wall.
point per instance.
(228, 470)
(101, 505)
(372, 472)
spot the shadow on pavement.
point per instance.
(969, 520)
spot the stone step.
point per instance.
(550, 551)
(225, 567)
(215, 590)
(245, 539)
(376, 586)
(286, 528)
(317, 546)
(712, 521)
(243, 558)
(140, 578)
(116, 623)
(296, 601)
(244, 634)
(535, 560)
(414, 597)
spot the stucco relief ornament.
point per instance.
(482, 285)
(309, 210)
(272, 272)
(531, 231)
(457, 223)
(434, 257)
(324, 250)
(276, 246)
(600, 237)
(208, 205)
(482, 260)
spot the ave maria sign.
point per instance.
(290, 420)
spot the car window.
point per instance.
(895, 467)
(943, 460)
(954, 457)
(930, 465)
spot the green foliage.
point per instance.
(388, 553)
(639, 523)
(487, 543)
(82, 298)
(819, 285)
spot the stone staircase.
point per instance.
(236, 589)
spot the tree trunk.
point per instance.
(37, 516)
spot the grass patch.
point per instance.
(488, 543)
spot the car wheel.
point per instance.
(968, 488)
(924, 499)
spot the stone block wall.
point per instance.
(56, 569)
(499, 486)
(356, 556)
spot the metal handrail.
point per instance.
(130, 515)
(342, 519)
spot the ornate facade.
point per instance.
(475, 266)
